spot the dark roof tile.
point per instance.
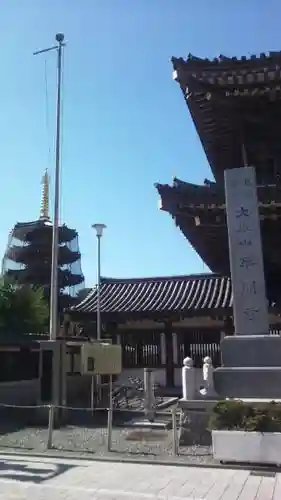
(163, 294)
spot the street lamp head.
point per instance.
(59, 37)
(99, 228)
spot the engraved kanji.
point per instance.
(247, 262)
(243, 227)
(245, 243)
(242, 212)
(250, 312)
(249, 288)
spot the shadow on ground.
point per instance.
(26, 471)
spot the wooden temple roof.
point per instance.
(230, 99)
(154, 297)
(199, 211)
(181, 194)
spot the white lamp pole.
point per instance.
(99, 232)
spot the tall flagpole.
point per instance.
(54, 292)
(55, 239)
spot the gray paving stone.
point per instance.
(60, 479)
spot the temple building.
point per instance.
(235, 105)
(28, 256)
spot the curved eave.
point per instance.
(217, 118)
(189, 194)
(208, 196)
(222, 63)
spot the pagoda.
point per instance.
(235, 105)
(28, 256)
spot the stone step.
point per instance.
(248, 382)
(251, 351)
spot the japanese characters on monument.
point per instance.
(245, 252)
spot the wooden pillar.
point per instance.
(169, 354)
(110, 332)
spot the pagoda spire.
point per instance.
(44, 210)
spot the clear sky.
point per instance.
(125, 122)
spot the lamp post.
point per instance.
(99, 232)
(99, 228)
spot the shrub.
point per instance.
(240, 416)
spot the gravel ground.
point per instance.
(126, 443)
(17, 431)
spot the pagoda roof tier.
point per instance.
(27, 254)
(32, 231)
(236, 107)
(158, 298)
(65, 277)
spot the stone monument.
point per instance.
(251, 359)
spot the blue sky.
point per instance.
(125, 123)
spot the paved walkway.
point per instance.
(23, 478)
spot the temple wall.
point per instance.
(23, 392)
(27, 392)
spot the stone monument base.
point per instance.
(248, 382)
(251, 367)
(251, 350)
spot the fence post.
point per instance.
(208, 390)
(188, 379)
(50, 427)
(175, 432)
(109, 416)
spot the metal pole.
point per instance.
(98, 291)
(54, 289)
(109, 416)
(55, 239)
(92, 394)
(50, 427)
(98, 378)
(175, 432)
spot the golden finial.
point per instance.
(44, 210)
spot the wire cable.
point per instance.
(47, 114)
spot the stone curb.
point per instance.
(75, 456)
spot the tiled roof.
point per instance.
(181, 294)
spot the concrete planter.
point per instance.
(249, 447)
